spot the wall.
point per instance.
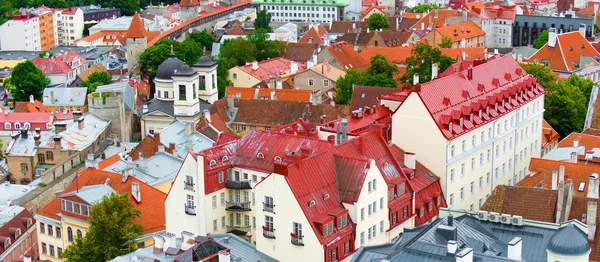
(176, 218)
(301, 81)
(112, 109)
(325, 55)
(241, 79)
(20, 40)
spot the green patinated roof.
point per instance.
(302, 2)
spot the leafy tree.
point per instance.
(380, 73)
(424, 8)
(25, 80)
(265, 49)
(377, 21)
(112, 231)
(192, 51)
(86, 28)
(44, 53)
(446, 42)
(6, 12)
(423, 56)
(545, 76)
(541, 40)
(204, 38)
(566, 108)
(263, 18)
(189, 51)
(237, 52)
(96, 79)
(585, 85)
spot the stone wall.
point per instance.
(56, 178)
(112, 108)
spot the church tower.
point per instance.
(188, 9)
(137, 40)
(207, 78)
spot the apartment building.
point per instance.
(18, 232)
(22, 33)
(62, 69)
(495, 20)
(464, 34)
(302, 11)
(67, 215)
(67, 24)
(477, 127)
(290, 184)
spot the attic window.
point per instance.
(212, 162)
(326, 196)
(6, 243)
(276, 159)
(260, 155)
(225, 158)
(29, 222)
(570, 48)
(312, 203)
(581, 186)
(582, 46)
(17, 233)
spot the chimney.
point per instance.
(344, 129)
(224, 256)
(206, 114)
(230, 104)
(38, 131)
(470, 73)
(161, 149)
(51, 97)
(434, 71)
(26, 259)
(589, 155)
(353, 27)
(141, 162)
(448, 231)
(410, 160)
(422, 26)
(465, 255)
(574, 157)
(561, 174)
(57, 143)
(592, 209)
(515, 249)
(36, 138)
(80, 123)
(24, 133)
(118, 142)
(582, 29)
(415, 79)
(135, 192)
(170, 241)
(576, 143)
(331, 140)
(31, 100)
(145, 108)
(125, 173)
(337, 133)
(520, 58)
(330, 95)
(593, 186)
(552, 37)
(554, 179)
(451, 248)
(462, 30)
(77, 115)
(187, 240)
(255, 65)
(463, 55)
(435, 12)
(89, 161)
(293, 67)
(273, 95)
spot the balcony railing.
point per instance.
(231, 184)
(297, 241)
(269, 207)
(188, 185)
(238, 227)
(269, 232)
(190, 210)
(238, 206)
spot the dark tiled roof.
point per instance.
(341, 27)
(518, 201)
(300, 52)
(591, 132)
(407, 23)
(368, 96)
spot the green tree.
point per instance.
(192, 51)
(96, 79)
(420, 61)
(446, 42)
(380, 73)
(541, 40)
(585, 85)
(265, 49)
(566, 108)
(378, 21)
(424, 8)
(345, 85)
(545, 76)
(25, 80)
(237, 52)
(44, 53)
(381, 66)
(204, 38)
(152, 57)
(112, 231)
(263, 18)
(86, 28)
(6, 11)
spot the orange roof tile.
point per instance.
(236, 30)
(412, 15)
(568, 52)
(542, 174)
(549, 134)
(275, 67)
(312, 36)
(94, 68)
(381, 8)
(585, 140)
(347, 56)
(136, 28)
(28, 107)
(398, 54)
(109, 161)
(261, 93)
(109, 35)
(462, 30)
(189, 3)
(437, 21)
(152, 204)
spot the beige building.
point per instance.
(268, 71)
(319, 79)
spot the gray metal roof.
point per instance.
(489, 241)
(167, 107)
(155, 170)
(92, 194)
(167, 68)
(569, 241)
(65, 96)
(176, 133)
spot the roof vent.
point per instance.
(326, 196)
(312, 203)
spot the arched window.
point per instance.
(225, 158)
(17, 233)
(79, 234)
(312, 203)
(212, 163)
(69, 234)
(7, 126)
(260, 155)
(6, 243)
(277, 159)
(27, 126)
(18, 126)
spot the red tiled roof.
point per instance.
(109, 161)
(225, 138)
(351, 173)
(188, 3)
(549, 135)
(454, 97)
(542, 174)
(136, 28)
(265, 93)
(369, 2)
(108, 35)
(59, 63)
(27, 107)
(340, 27)
(436, 21)
(18, 221)
(381, 9)
(236, 30)
(530, 203)
(152, 204)
(22, 117)
(312, 36)
(585, 140)
(566, 55)
(398, 54)
(273, 67)
(492, 11)
(347, 56)
(459, 31)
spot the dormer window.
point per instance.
(480, 113)
(401, 189)
(460, 122)
(18, 126)
(212, 162)
(430, 205)
(422, 211)
(224, 158)
(29, 222)
(7, 126)
(496, 106)
(312, 203)
(439, 200)
(277, 159)
(260, 155)
(6, 243)
(17, 233)
(326, 196)
(27, 126)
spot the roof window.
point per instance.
(312, 203)
(212, 162)
(260, 155)
(326, 196)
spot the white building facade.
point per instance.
(301, 11)
(20, 33)
(480, 131)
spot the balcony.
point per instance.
(268, 232)
(238, 206)
(231, 184)
(238, 230)
(297, 241)
(190, 210)
(188, 185)
(269, 207)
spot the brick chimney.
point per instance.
(158, 242)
